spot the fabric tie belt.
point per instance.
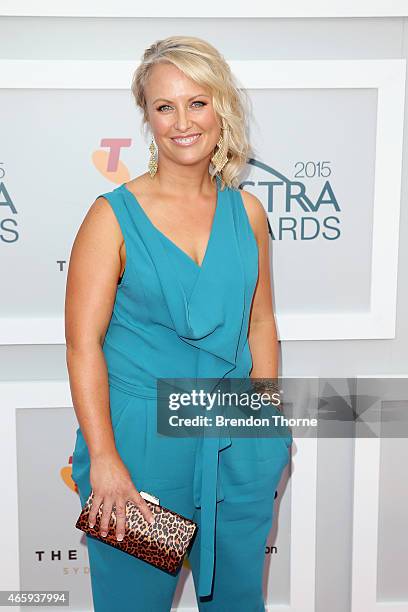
(207, 487)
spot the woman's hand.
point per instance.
(112, 485)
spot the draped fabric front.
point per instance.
(174, 318)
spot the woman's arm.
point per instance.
(262, 335)
(93, 273)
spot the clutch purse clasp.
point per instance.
(150, 497)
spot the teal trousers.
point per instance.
(249, 471)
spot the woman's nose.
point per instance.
(182, 123)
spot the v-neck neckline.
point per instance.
(169, 240)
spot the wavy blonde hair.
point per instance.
(202, 63)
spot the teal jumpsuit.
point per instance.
(173, 318)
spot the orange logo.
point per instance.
(66, 476)
(109, 163)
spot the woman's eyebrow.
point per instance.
(192, 98)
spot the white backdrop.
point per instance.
(327, 94)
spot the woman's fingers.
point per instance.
(121, 513)
(120, 510)
(106, 516)
(120, 519)
(96, 502)
(143, 507)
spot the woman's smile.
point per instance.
(186, 141)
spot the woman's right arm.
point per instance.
(93, 274)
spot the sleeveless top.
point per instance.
(173, 318)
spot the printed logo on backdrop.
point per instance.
(8, 221)
(108, 162)
(294, 211)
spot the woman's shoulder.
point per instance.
(102, 215)
(107, 213)
(252, 204)
(255, 210)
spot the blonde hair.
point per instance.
(202, 63)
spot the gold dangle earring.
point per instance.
(219, 159)
(153, 159)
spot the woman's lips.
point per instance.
(186, 141)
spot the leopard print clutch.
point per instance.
(163, 543)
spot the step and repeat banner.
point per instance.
(327, 156)
(326, 164)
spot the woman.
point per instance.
(169, 278)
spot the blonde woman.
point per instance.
(169, 278)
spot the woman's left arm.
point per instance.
(262, 335)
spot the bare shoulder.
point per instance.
(101, 219)
(93, 272)
(255, 211)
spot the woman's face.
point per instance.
(178, 107)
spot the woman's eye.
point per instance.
(196, 102)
